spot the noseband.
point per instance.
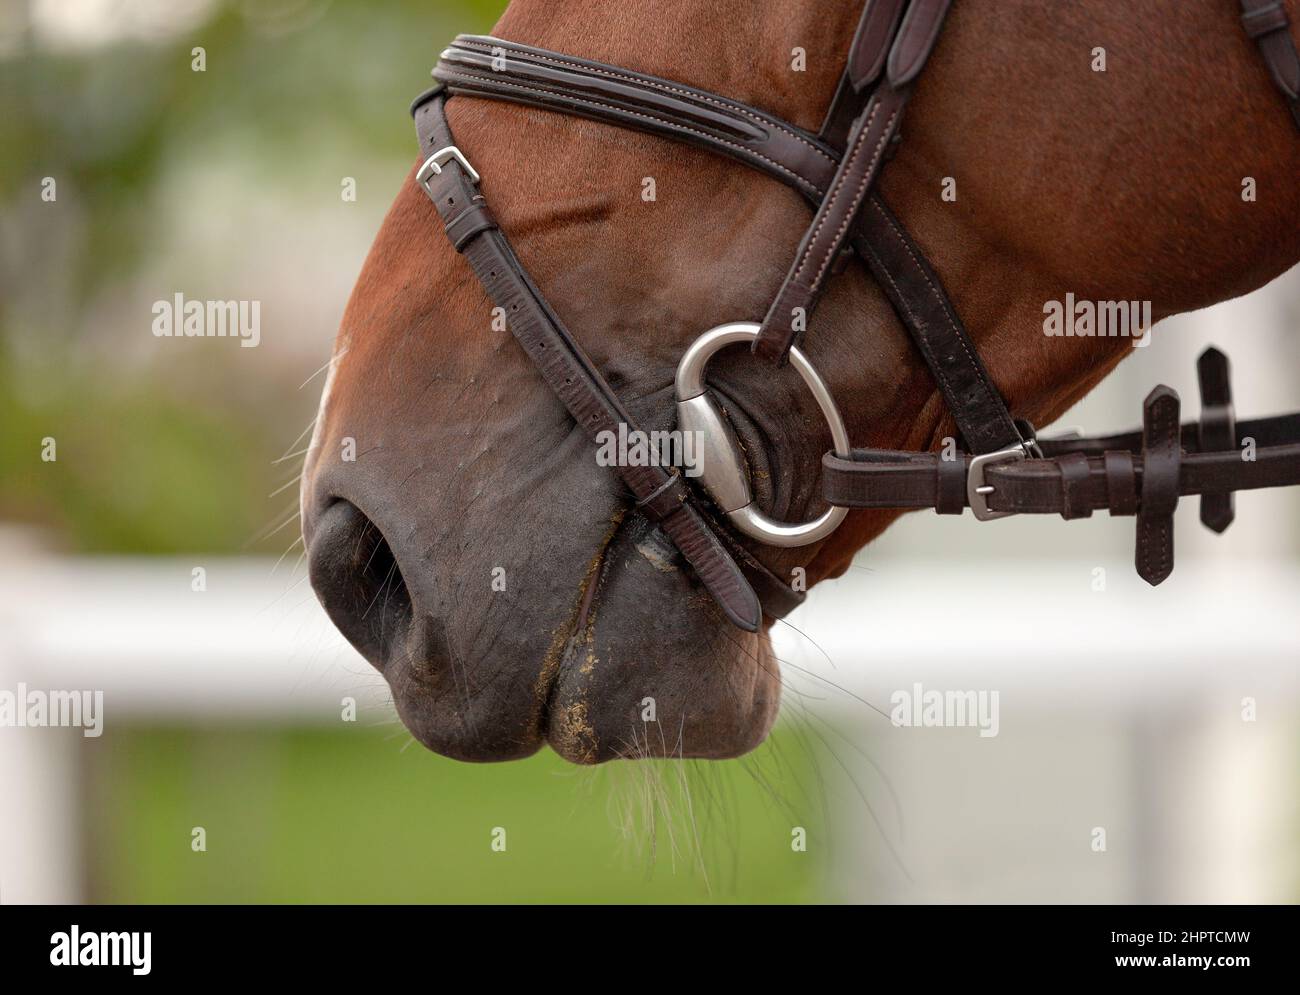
(1002, 470)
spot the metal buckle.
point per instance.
(722, 468)
(433, 166)
(977, 490)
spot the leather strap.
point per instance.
(862, 68)
(917, 294)
(666, 499)
(1121, 482)
(869, 138)
(1267, 24)
(496, 69)
(1217, 429)
(1161, 458)
(903, 479)
(480, 66)
(1133, 473)
(565, 366)
(1074, 481)
(950, 486)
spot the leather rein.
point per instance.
(1004, 469)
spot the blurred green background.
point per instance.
(224, 183)
(316, 816)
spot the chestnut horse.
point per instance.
(475, 552)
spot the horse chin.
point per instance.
(652, 669)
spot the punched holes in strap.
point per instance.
(1216, 431)
(1074, 486)
(1161, 466)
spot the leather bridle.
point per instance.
(1004, 469)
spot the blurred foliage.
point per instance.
(158, 454)
(105, 491)
(320, 816)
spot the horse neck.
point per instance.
(784, 56)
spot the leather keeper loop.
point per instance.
(950, 485)
(474, 219)
(1074, 482)
(1121, 482)
(665, 499)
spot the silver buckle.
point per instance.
(433, 166)
(977, 491)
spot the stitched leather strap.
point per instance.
(1135, 473)
(565, 366)
(1161, 456)
(886, 478)
(862, 68)
(488, 67)
(1217, 429)
(869, 138)
(480, 66)
(918, 295)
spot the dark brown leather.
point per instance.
(874, 129)
(1217, 429)
(950, 486)
(613, 95)
(666, 499)
(916, 39)
(918, 295)
(1140, 474)
(1135, 473)
(871, 42)
(1074, 481)
(1161, 459)
(565, 366)
(886, 478)
(783, 151)
(1121, 482)
(776, 595)
(803, 286)
(1266, 22)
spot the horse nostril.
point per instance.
(356, 576)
